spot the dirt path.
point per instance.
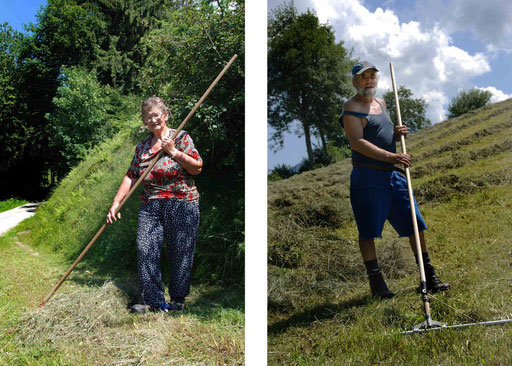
(11, 218)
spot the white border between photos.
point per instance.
(256, 183)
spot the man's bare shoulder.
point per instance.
(381, 101)
(353, 105)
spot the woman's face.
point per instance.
(154, 118)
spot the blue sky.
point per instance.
(19, 12)
(437, 47)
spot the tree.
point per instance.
(194, 44)
(101, 36)
(308, 76)
(467, 101)
(10, 126)
(80, 119)
(412, 110)
(22, 150)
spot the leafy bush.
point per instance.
(467, 101)
(281, 171)
(80, 118)
(322, 158)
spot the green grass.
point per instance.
(11, 203)
(320, 311)
(88, 321)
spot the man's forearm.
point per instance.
(366, 148)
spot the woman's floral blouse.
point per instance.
(168, 179)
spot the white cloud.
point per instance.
(497, 95)
(489, 20)
(424, 58)
(435, 100)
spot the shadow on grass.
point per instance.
(205, 301)
(321, 312)
(31, 207)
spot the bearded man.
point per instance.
(378, 191)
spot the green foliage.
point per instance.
(194, 44)
(79, 120)
(281, 171)
(97, 36)
(23, 134)
(324, 157)
(10, 204)
(100, 35)
(468, 100)
(412, 110)
(308, 76)
(10, 126)
(220, 244)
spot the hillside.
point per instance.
(320, 311)
(88, 320)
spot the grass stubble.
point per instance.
(320, 311)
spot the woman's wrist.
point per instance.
(175, 154)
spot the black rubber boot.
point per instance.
(434, 284)
(378, 286)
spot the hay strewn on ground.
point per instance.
(93, 325)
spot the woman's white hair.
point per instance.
(155, 101)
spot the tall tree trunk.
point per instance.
(309, 148)
(324, 142)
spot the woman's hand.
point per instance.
(111, 213)
(168, 147)
(191, 165)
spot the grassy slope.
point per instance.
(75, 327)
(319, 308)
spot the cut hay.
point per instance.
(68, 315)
(95, 324)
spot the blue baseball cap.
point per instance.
(361, 67)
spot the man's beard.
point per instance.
(366, 92)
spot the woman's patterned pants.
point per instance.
(176, 222)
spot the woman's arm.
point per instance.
(123, 190)
(190, 164)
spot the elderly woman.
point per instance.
(169, 209)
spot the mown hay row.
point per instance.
(459, 124)
(445, 187)
(461, 158)
(476, 136)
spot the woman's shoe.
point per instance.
(142, 309)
